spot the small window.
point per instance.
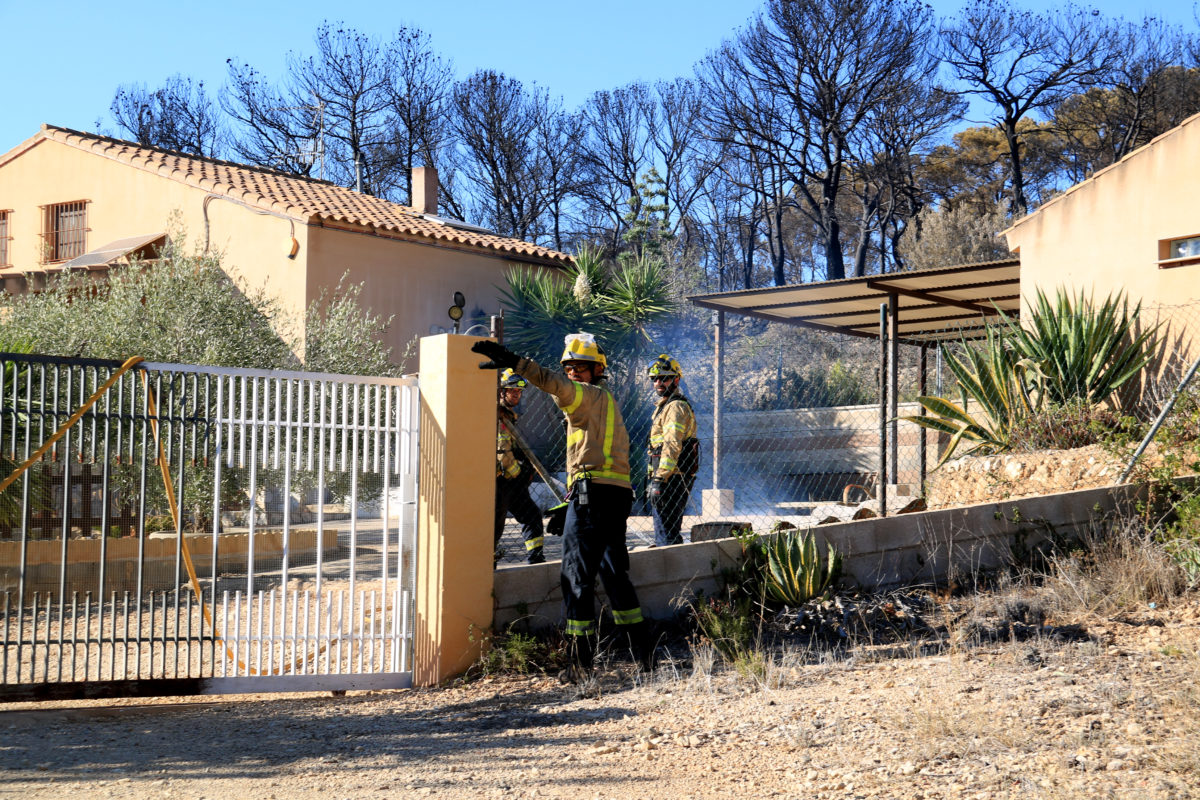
(5, 237)
(64, 230)
(1177, 252)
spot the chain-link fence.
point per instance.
(792, 430)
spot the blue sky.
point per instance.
(62, 61)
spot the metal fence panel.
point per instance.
(205, 528)
(796, 433)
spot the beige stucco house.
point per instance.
(77, 201)
(1134, 227)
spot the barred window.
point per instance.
(5, 236)
(64, 230)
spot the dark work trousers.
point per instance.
(594, 544)
(668, 510)
(512, 496)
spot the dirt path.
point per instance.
(1117, 716)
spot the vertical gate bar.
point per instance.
(304, 662)
(180, 486)
(112, 642)
(87, 638)
(10, 448)
(328, 638)
(320, 491)
(387, 507)
(250, 515)
(404, 631)
(356, 638)
(141, 548)
(228, 652)
(105, 499)
(292, 637)
(66, 510)
(271, 634)
(219, 448)
(371, 636)
(95, 373)
(341, 628)
(277, 428)
(149, 643)
(74, 634)
(242, 416)
(258, 636)
(164, 639)
(7, 627)
(284, 429)
(125, 641)
(345, 425)
(312, 422)
(53, 422)
(187, 639)
(241, 660)
(33, 644)
(352, 424)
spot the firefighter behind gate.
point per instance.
(600, 496)
(513, 473)
(673, 453)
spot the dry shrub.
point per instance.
(1064, 427)
(1117, 567)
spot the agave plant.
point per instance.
(1005, 387)
(1084, 351)
(796, 572)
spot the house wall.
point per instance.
(129, 202)
(413, 282)
(1103, 235)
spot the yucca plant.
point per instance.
(1085, 352)
(1005, 387)
(796, 571)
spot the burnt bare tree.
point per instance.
(418, 122)
(614, 152)
(504, 134)
(332, 112)
(1148, 91)
(1025, 64)
(178, 116)
(796, 86)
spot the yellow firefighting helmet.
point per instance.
(583, 347)
(665, 366)
(511, 380)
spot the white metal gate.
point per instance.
(204, 530)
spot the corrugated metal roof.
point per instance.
(934, 304)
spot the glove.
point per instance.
(655, 491)
(501, 357)
(557, 519)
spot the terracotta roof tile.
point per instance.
(303, 198)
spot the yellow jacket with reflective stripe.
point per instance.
(507, 465)
(597, 443)
(673, 422)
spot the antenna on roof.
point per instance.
(312, 151)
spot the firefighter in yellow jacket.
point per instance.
(600, 495)
(673, 454)
(513, 474)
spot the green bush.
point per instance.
(796, 571)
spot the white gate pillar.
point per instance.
(457, 484)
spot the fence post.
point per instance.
(456, 486)
(883, 408)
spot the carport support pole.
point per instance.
(894, 386)
(455, 508)
(922, 390)
(718, 397)
(883, 407)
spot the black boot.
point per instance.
(579, 660)
(642, 644)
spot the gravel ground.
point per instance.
(1115, 715)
